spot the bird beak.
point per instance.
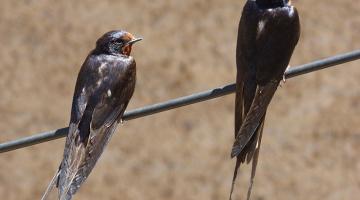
(133, 41)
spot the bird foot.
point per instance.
(283, 81)
(284, 78)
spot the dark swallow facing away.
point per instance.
(268, 33)
(104, 86)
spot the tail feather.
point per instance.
(255, 161)
(51, 185)
(237, 165)
(250, 152)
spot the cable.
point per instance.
(183, 101)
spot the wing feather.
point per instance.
(254, 117)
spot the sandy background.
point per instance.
(312, 134)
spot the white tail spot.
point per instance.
(261, 26)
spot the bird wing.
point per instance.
(94, 118)
(274, 45)
(254, 117)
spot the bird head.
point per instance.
(273, 3)
(115, 42)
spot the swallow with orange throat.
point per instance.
(104, 87)
(268, 33)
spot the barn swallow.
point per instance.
(104, 87)
(268, 33)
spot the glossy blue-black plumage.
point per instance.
(268, 33)
(104, 87)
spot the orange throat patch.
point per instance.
(126, 50)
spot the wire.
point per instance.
(183, 101)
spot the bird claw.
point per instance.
(283, 81)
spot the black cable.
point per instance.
(183, 101)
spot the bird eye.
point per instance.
(119, 43)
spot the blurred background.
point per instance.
(312, 133)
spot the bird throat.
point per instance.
(126, 50)
(272, 3)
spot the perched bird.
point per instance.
(268, 33)
(104, 87)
